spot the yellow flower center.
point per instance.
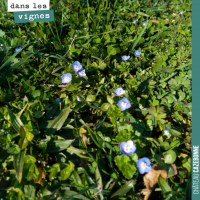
(123, 104)
(127, 149)
(144, 164)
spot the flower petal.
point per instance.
(148, 168)
(146, 160)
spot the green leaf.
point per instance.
(187, 164)
(57, 123)
(170, 157)
(70, 194)
(137, 40)
(36, 93)
(98, 179)
(105, 106)
(29, 159)
(188, 193)
(58, 145)
(65, 173)
(12, 58)
(166, 188)
(181, 96)
(91, 98)
(18, 163)
(158, 159)
(126, 165)
(15, 121)
(29, 191)
(110, 99)
(111, 50)
(170, 170)
(124, 189)
(164, 145)
(38, 114)
(175, 132)
(54, 171)
(30, 171)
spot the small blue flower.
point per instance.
(124, 104)
(119, 91)
(78, 99)
(66, 78)
(137, 53)
(76, 66)
(57, 100)
(127, 148)
(166, 132)
(181, 13)
(18, 49)
(144, 165)
(81, 73)
(144, 23)
(135, 21)
(124, 58)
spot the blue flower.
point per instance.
(166, 132)
(119, 91)
(66, 78)
(144, 165)
(124, 104)
(57, 100)
(135, 21)
(144, 23)
(124, 58)
(18, 49)
(81, 73)
(76, 66)
(127, 148)
(137, 53)
(181, 13)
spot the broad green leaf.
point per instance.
(29, 159)
(175, 132)
(18, 163)
(165, 188)
(17, 190)
(15, 121)
(69, 194)
(91, 98)
(158, 159)
(170, 170)
(58, 145)
(98, 179)
(126, 165)
(187, 164)
(111, 50)
(36, 93)
(29, 191)
(170, 157)
(164, 145)
(105, 106)
(110, 99)
(57, 123)
(65, 173)
(181, 96)
(54, 171)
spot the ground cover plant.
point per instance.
(97, 104)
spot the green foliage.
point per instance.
(70, 149)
